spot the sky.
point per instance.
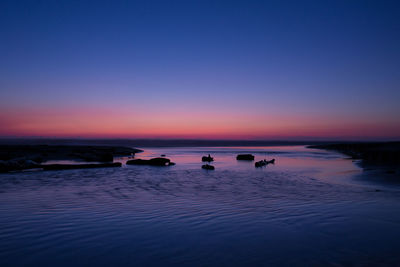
(200, 69)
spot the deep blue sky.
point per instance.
(306, 68)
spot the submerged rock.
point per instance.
(151, 162)
(245, 157)
(208, 167)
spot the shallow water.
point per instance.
(307, 209)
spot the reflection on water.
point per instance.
(305, 209)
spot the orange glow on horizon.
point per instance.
(98, 123)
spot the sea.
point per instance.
(311, 208)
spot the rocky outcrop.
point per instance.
(22, 157)
(264, 162)
(79, 166)
(42, 153)
(151, 162)
(378, 153)
(93, 156)
(207, 158)
(17, 164)
(245, 157)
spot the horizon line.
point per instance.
(294, 139)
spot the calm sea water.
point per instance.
(310, 208)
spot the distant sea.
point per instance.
(159, 142)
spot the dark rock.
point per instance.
(5, 166)
(42, 153)
(151, 162)
(208, 167)
(207, 158)
(98, 156)
(261, 163)
(377, 153)
(30, 164)
(36, 158)
(79, 166)
(137, 162)
(264, 162)
(17, 164)
(171, 163)
(245, 157)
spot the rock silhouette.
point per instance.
(151, 162)
(79, 166)
(245, 157)
(378, 153)
(22, 157)
(207, 158)
(42, 153)
(264, 162)
(17, 164)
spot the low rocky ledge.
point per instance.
(245, 157)
(378, 153)
(17, 164)
(151, 162)
(22, 157)
(42, 153)
(79, 166)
